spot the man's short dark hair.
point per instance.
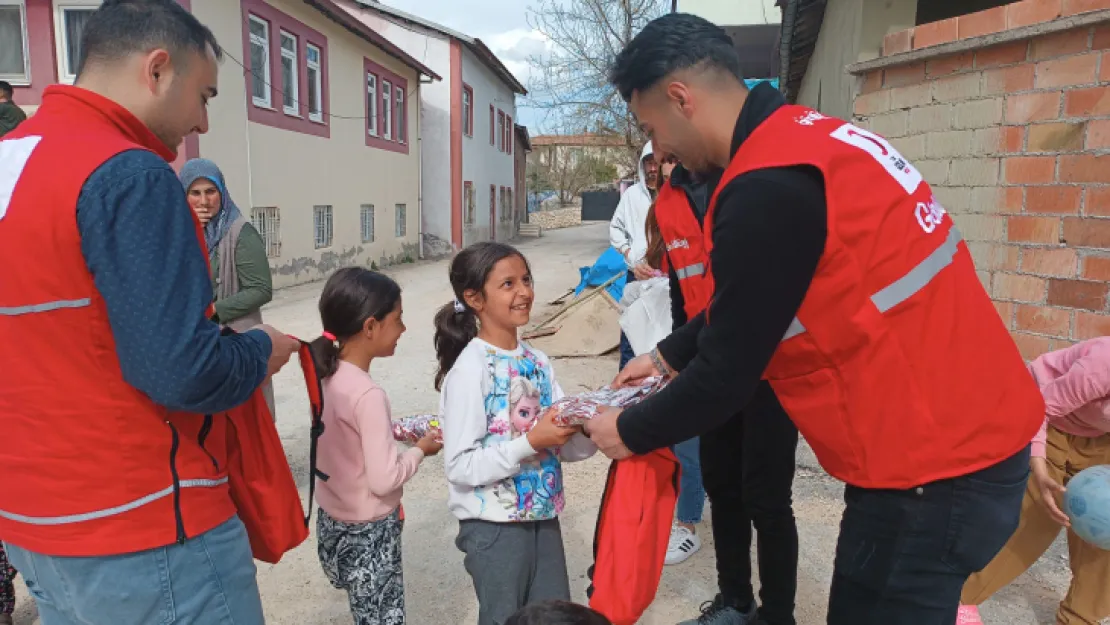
(6, 89)
(120, 28)
(557, 613)
(670, 43)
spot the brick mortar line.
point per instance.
(982, 41)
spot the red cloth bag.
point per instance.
(261, 482)
(633, 527)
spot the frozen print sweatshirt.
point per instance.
(490, 399)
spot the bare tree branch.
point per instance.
(570, 81)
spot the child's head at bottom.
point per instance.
(557, 613)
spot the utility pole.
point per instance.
(674, 6)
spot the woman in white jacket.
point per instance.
(627, 230)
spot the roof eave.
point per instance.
(475, 45)
(338, 15)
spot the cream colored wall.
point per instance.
(733, 12)
(852, 31)
(268, 166)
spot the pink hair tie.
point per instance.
(329, 336)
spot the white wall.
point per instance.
(733, 12)
(483, 164)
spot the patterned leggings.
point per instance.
(365, 560)
(7, 583)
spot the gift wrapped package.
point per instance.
(410, 429)
(578, 409)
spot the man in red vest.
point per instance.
(840, 279)
(114, 504)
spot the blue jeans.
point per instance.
(691, 493)
(208, 580)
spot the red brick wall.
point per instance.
(1015, 140)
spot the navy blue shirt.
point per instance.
(140, 244)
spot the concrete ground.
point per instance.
(295, 591)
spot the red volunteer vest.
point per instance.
(897, 368)
(686, 250)
(91, 466)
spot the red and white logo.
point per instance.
(929, 214)
(881, 150)
(678, 244)
(810, 118)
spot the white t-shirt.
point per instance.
(490, 398)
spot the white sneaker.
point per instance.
(682, 545)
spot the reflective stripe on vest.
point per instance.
(690, 271)
(12, 311)
(107, 512)
(908, 285)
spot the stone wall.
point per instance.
(1010, 124)
(558, 218)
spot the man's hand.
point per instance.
(644, 271)
(284, 346)
(635, 371)
(1048, 489)
(602, 430)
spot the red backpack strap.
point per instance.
(316, 403)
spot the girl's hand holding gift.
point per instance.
(546, 433)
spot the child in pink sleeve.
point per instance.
(361, 471)
(1075, 383)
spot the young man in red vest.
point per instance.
(839, 278)
(114, 504)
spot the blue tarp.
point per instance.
(751, 82)
(609, 264)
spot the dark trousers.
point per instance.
(747, 468)
(904, 555)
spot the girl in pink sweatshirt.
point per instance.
(360, 468)
(1075, 383)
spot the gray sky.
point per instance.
(501, 24)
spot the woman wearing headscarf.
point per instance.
(241, 277)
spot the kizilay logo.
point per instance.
(929, 214)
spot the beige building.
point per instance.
(316, 126)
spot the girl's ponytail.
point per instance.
(325, 351)
(456, 325)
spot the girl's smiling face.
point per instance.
(524, 413)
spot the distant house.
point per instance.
(466, 129)
(325, 184)
(520, 171)
(570, 149)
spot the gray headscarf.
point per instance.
(218, 226)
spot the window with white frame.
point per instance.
(289, 74)
(468, 111)
(387, 109)
(267, 221)
(322, 225)
(371, 104)
(401, 221)
(70, 19)
(315, 83)
(260, 61)
(400, 114)
(366, 218)
(13, 42)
